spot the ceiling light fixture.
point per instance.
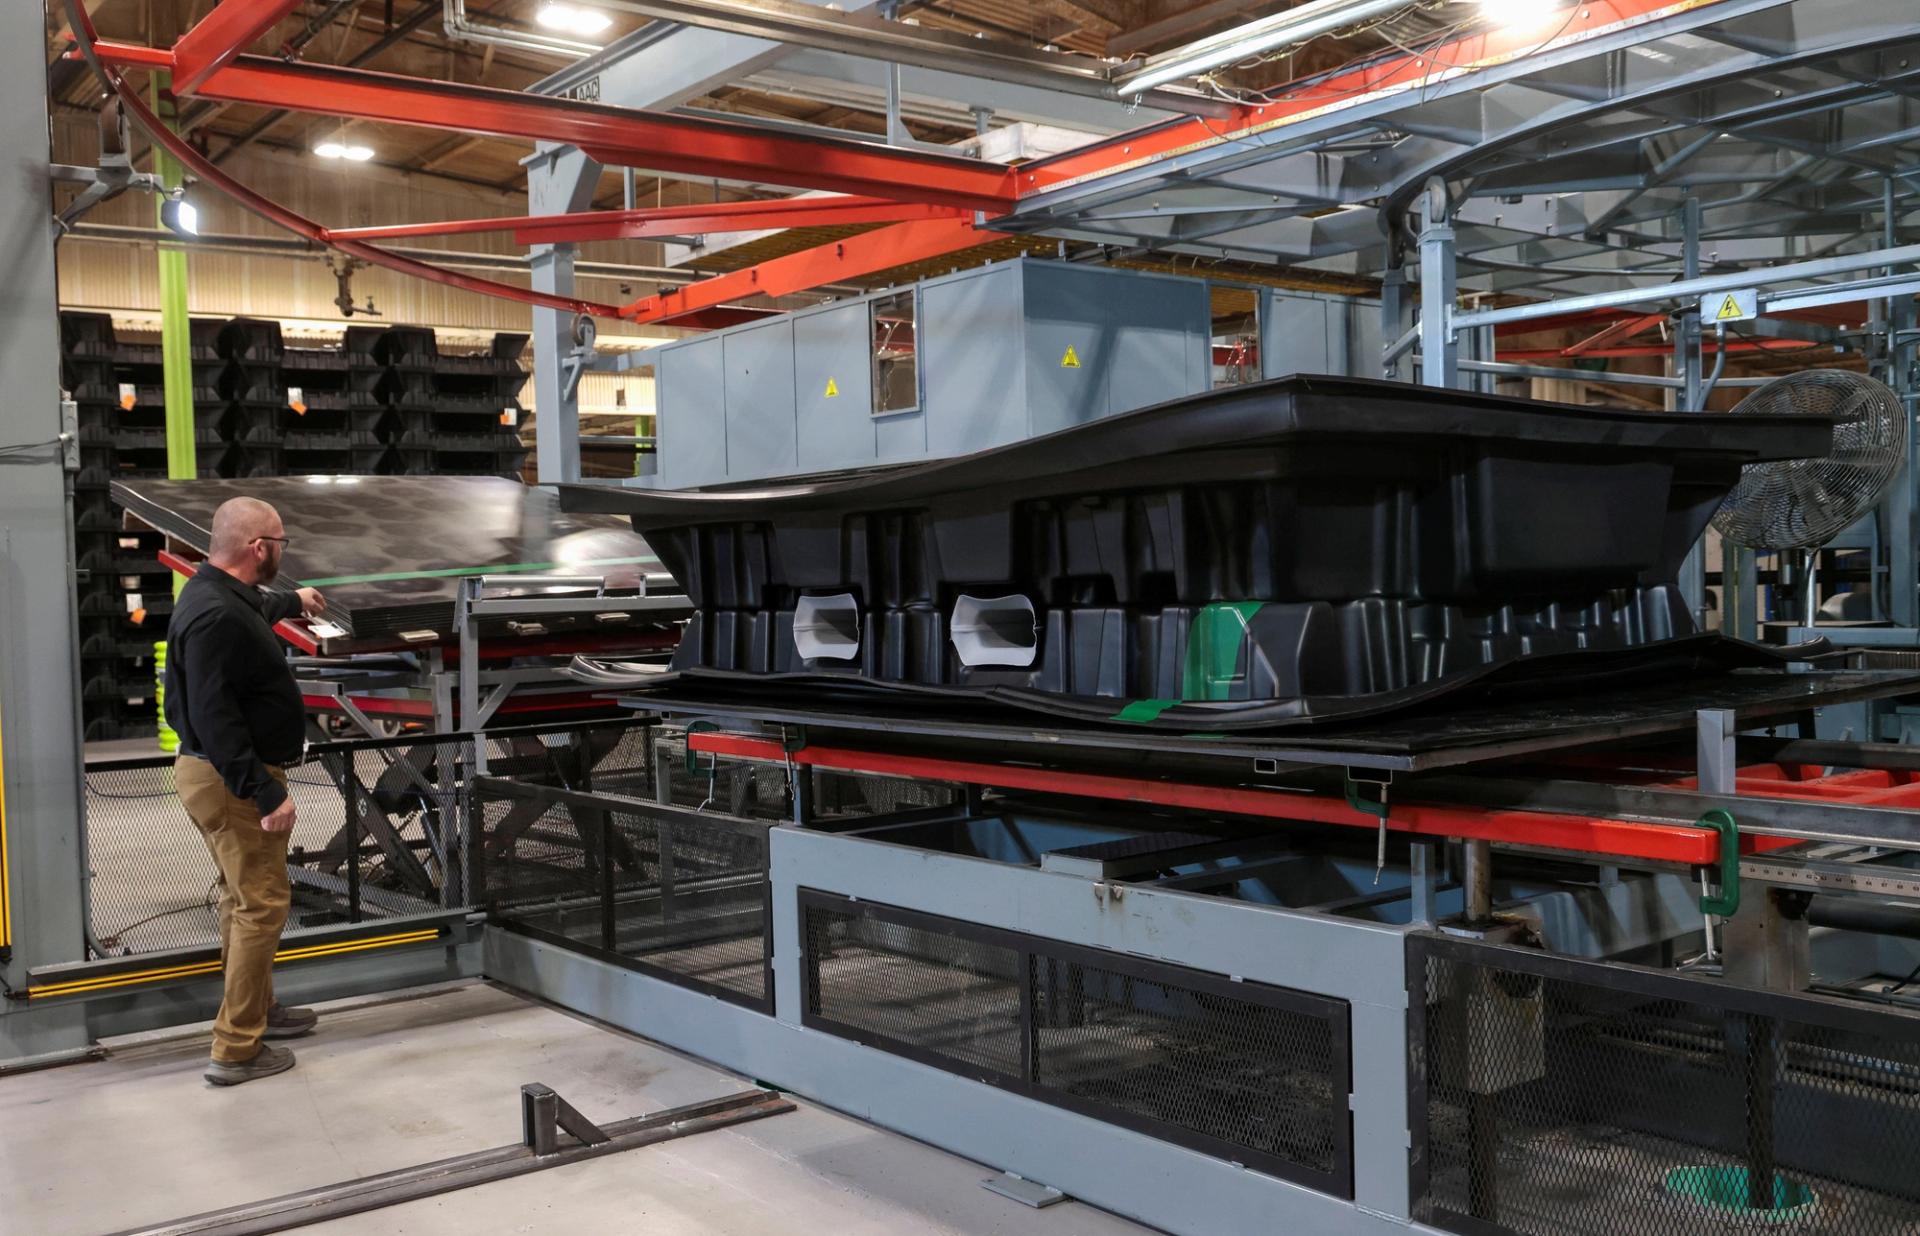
(178, 215)
(1520, 14)
(352, 153)
(1295, 25)
(572, 19)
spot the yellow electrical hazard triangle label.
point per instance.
(833, 388)
(1729, 308)
(1071, 360)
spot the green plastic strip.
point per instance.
(1216, 647)
(516, 568)
(1143, 710)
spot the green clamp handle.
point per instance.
(1362, 804)
(695, 727)
(1727, 902)
(793, 739)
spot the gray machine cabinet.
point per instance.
(691, 447)
(762, 438)
(1005, 352)
(833, 387)
(1308, 332)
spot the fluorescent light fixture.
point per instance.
(354, 153)
(1520, 14)
(572, 19)
(180, 217)
(1295, 25)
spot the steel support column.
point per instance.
(40, 810)
(560, 180)
(1439, 350)
(1396, 319)
(1902, 541)
(1687, 363)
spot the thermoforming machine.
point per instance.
(1336, 825)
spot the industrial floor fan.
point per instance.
(1795, 506)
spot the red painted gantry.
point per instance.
(207, 62)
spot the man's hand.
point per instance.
(279, 820)
(311, 602)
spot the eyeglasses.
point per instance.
(284, 540)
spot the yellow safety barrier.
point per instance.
(195, 969)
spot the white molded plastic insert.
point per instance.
(994, 631)
(827, 628)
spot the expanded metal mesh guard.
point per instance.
(380, 829)
(1573, 1098)
(368, 842)
(670, 891)
(1245, 1071)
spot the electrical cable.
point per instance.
(206, 902)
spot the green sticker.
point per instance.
(1143, 710)
(1215, 646)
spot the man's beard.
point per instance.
(270, 569)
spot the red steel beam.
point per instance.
(220, 36)
(882, 249)
(1615, 838)
(1624, 329)
(656, 222)
(614, 135)
(1341, 90)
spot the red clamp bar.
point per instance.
(1612, 838)
(292, 632)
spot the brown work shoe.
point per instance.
(286, 1023)
(265, 1063)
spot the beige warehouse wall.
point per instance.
(122, 278)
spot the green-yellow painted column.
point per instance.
(175, 337)
(176, 355)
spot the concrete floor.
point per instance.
(139, 1138)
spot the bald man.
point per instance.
(232, 700)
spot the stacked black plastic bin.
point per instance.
(290, 403)
(124, 594)
(389, 406)
(477, 410)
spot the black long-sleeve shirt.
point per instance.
(230, 694)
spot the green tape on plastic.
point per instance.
(1143, 710)
(515, 568)
(1216, 644)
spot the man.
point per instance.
(233, 702)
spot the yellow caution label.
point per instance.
(1729, 308)
(1071, 360)
(833, 388)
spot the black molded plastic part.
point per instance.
(1354, 538)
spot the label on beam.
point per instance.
(1730, 306)
(833, 389)
(1071, 360)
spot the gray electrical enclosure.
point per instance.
(962, 362)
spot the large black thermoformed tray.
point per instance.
(1308, 544)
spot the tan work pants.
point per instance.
(254, 896)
